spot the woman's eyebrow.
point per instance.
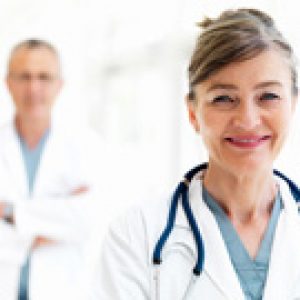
(228, 86)
(224, 86)
(268, 83)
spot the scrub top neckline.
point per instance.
(251, 272)
(216, 209)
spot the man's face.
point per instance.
(34, 82)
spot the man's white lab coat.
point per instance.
(70, 159)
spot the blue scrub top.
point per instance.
(252, 273)
(31, 158)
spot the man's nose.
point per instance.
(34, 84)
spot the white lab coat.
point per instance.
(125, 269)
(70, 159)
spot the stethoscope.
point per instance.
(181, 193)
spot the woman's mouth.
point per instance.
(248, 142)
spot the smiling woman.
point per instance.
(233, 221)
(253, 102)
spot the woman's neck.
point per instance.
(244, 197)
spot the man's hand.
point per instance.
(79, 190)
(41, 241)
(6, 212)
(2, 209)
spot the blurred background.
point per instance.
(124, 65)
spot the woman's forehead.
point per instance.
(268, 68)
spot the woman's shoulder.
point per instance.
(143, 221)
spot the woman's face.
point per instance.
(243, 112)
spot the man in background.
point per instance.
(48, 183)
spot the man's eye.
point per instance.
(269, 96)
(24, 77)
(45, 77)
(222, 98)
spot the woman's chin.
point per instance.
(248, 165)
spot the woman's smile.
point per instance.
(243, 112)
(248, 141)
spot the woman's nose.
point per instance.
(247, 115)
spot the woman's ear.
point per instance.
(192, 113)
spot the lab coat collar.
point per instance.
(217, 262)
(284, 268)
(13, 157)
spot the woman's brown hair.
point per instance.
(236, 35)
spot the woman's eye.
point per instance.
(222, 98)
(269, 96)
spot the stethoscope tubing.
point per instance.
(182, 192)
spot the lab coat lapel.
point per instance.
(48, 180)
(13, 157)
(284, 268)
(217, 262)
(44, 169)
